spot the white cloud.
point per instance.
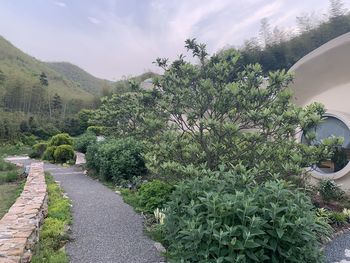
(60, 4)
(94, 20)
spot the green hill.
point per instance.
(83, 79)
(22, 72)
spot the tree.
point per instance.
(2, 77)
(222, 112)
(57, 104)
(265, 32)
(336, 8)
(43, 80)
(135, 113)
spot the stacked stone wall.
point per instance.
(20, 226)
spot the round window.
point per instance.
(331, 127)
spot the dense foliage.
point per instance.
(82, 142)
(59, 149)
(60, 139)
(63, 153)
(278, 49)
(38, 150)
(117, 159)
(228, 217)
(154, 195)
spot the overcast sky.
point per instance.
(115, 38)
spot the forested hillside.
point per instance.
(83, 79)
(280, 49)
(31, 91)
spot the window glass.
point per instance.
(332, 126)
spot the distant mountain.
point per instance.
(67, 80)
(84, 79)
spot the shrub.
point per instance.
(46, 131)
(63, 153)
(154, 195)
(226, 217)
(29, 140)
(329, 190)
(92, 157)
(49, 153)
(83, 141)
(60, 139)
(6, 166)
(120, 159)
(8, 177)
(97, 130)
(338, 218)
(38, 150)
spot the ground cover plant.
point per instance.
(54, 232)
(228, 217)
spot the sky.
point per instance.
(115, 38)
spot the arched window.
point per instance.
(332, 126)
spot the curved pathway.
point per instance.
(105, 229)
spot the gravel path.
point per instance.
(105, 229)
(338, 250)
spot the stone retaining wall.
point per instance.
(19, 228)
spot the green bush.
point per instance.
(6, 166)
(46, 131)
(154, 195)
(329, 190)
(63, 153)
(338, 218)
(226, 217)
(83, 141)
(97, 130)
(8, 177)
(92, 157)
(60, 139)
(29, 139)
(49, 153)
(117, 159)
(38, 150)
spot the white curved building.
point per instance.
(324, 76)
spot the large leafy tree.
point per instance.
(228, 113)
(217, 111)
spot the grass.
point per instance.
(8, 195)
(54, 232)
(11, 186)
(18, 149)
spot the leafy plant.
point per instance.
(49, 153)
(63, 153)
(54, 234)
(338, 218)
(154, 194)
(60, 139)
(346, 212)
(92, 157)
(38, 150)
(9, 176)
(329, 190)
(228, 217)
(118, 159)
(83, 141)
